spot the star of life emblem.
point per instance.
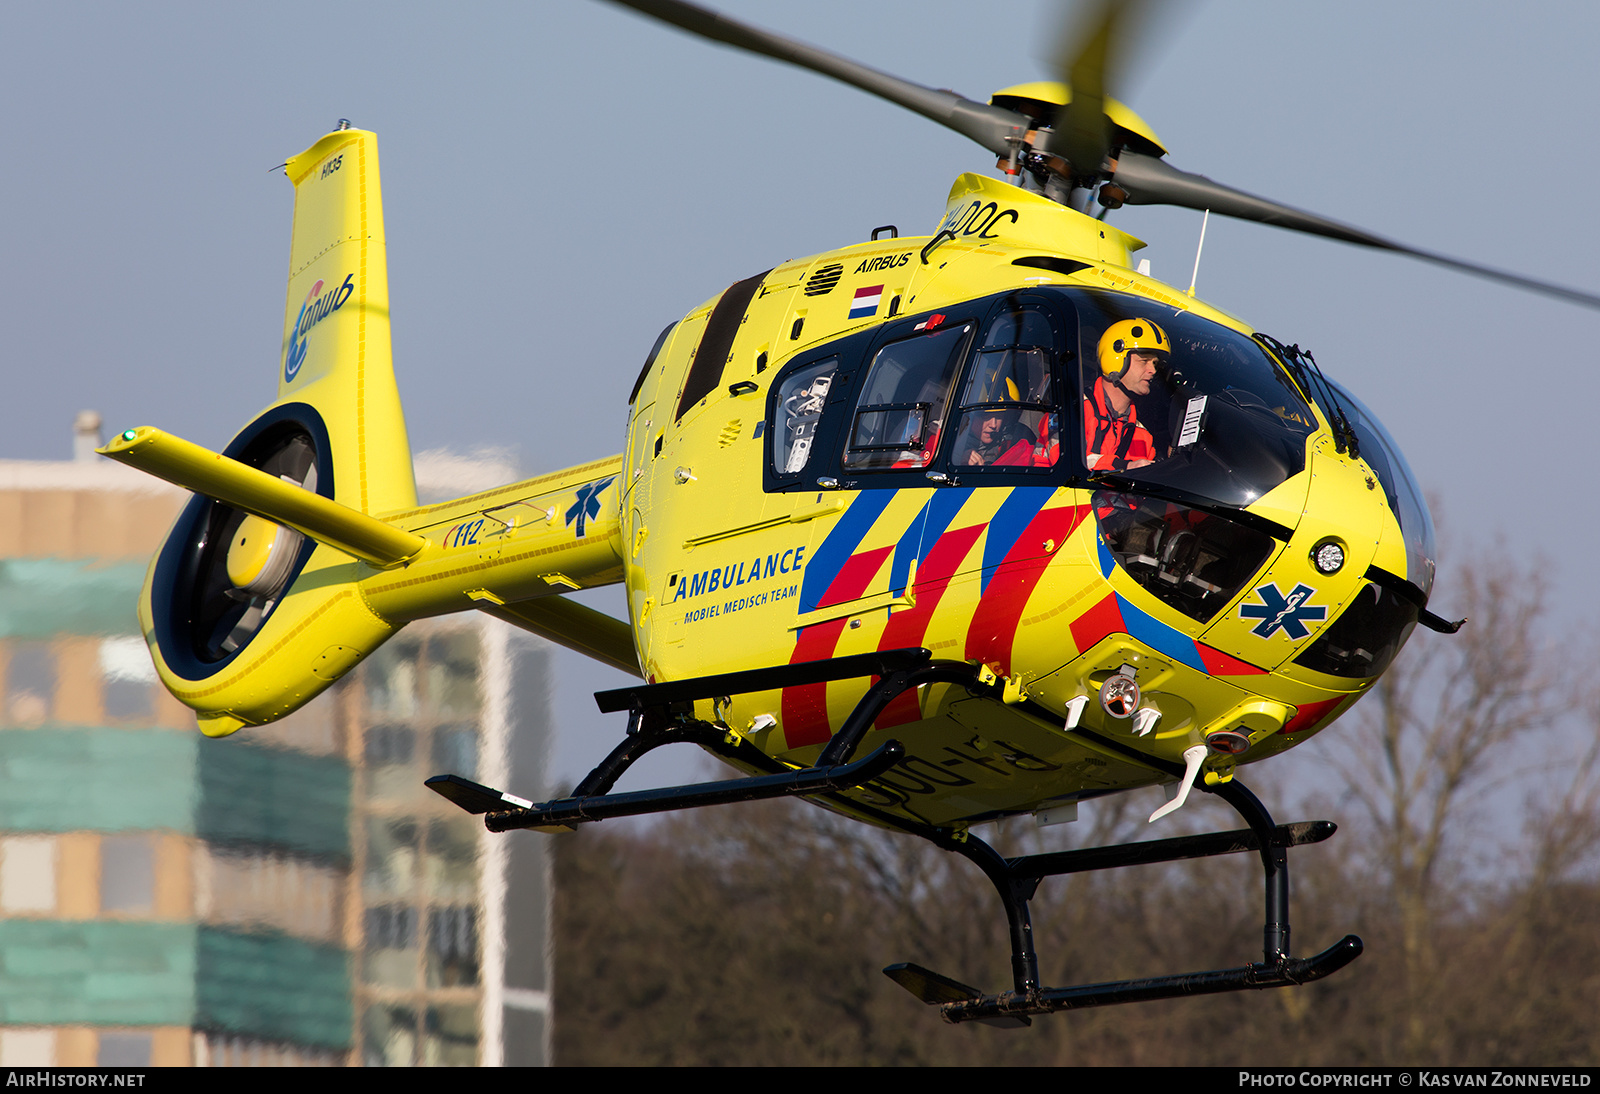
(1289, 614)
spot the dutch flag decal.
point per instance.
(866, 302)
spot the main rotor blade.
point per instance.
(1150, 181)
(1081, 136)
(991, 126)
(1089, 61)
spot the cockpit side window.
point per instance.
(899, 418)
(802, 395)
(1009, 415)
(1175, 400)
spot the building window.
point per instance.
(452, 947)
(127, 875)
(390, 750)
(391, 679)
(263, 891)
(28, 874)
(390, 957)
(389, 1036)
(127, 676)
(123, 1050)
(391, 865)
(220, 1050)
(419, 962)
(30, 684)
(450, 1038)
(27, 1048)
(455, 750)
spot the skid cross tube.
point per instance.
(645, 696)
(660, 714)
(1016, 880)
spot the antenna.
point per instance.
(1198, 248)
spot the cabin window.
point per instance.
(900, 415)
(801, 398)
(1008, 412)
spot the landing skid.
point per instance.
(661, 714)
(1017, 879)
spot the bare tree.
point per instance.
(1439, 733)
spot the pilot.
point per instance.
(994, 436)
(1130, 353)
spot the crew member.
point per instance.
(1130, 353)
(994, 436)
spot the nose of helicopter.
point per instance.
(1345, 528)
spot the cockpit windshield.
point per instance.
(1405, 498)
(1176, 401)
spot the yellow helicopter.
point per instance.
(930, 530)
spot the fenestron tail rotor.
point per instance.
(1072, 136)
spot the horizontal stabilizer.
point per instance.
(214, 475)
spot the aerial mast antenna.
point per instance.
(1194, 277)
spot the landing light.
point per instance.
(1328, 556)
(1119, 695)
(1227, 742)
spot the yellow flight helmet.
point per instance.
(1123, 338)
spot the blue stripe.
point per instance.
(906, 549)
(1160, 637)
(1008, 523)
(942, 511)
(847, 534)
(931, 523)
(1106, 560)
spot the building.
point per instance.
(291, 894)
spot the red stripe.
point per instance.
(1218, 663)
(908, 627)
(1102, 619)
(854, 576)
(999, 612)
(805, 708)
(1309, 714)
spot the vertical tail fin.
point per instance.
(336, 354)
(248, 619)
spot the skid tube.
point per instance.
(1017, 879)
(661, 714)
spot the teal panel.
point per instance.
(255, 795)
(104, 780)
(273, 987)
(44, 597)
(96, 973)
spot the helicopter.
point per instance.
(831, 584)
